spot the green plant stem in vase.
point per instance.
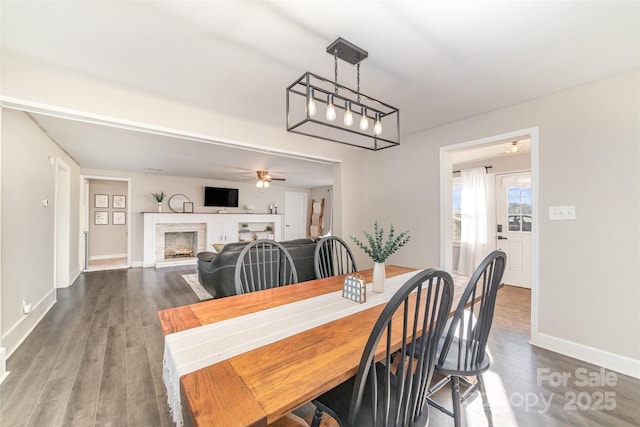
(159, 198)
(379, 249)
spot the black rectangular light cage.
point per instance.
(299, 120)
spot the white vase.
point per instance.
(159, 206)
(378, 277)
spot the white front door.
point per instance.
(515, 223)
(295, 215)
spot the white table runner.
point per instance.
(196, 348)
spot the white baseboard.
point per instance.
(74, 274)
(164, 264)
(21, 330)
(110, 256)
(615, 362)
(3, 364)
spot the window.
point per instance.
(519, 208)
(457, 210)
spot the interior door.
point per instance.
(295, 214)
(514, 225)
(62, 205)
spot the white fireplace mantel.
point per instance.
(220, 228)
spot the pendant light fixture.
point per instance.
(310, 89)
(514, 148)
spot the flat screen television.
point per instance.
(216, 196)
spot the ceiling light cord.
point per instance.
(358, 80)
(335, 65)
(331, 109)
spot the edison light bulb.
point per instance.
(377, 125)
(364, 122)
(311, 103)
(348, 115)
(331, 109)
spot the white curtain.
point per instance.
(473, 237)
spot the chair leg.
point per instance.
(455, 399)
(317, 417)
(322, 409)
(433, 390)
(485, 400)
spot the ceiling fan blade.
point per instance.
(264, 175)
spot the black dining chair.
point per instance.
(263, 264)
(388, 389)
(463, 349)
(333, 257)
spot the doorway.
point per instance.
(107, 225)
(62, 229)
(515, 223)
(295, 214)
(447, 159)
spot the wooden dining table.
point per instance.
(260, 386)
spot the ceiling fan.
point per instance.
(264, 179)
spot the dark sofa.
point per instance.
(215, 271)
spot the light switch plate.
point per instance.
(562, 213)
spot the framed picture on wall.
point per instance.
(119, 218)
(119, 202)
(101, 218)
(101, 201)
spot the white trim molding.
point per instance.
(445, 206)
(3, 364)
(99, 119)
(21, 330)
(615, 362)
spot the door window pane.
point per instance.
(513, 200)
(519, 208)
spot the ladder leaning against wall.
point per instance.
(316, 214)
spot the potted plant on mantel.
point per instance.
(379, 251)
(159, 198)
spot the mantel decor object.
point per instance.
(349, 116)
(177, 201)
(379, 250)
(159, 198)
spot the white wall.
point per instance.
(318, 194)
(589, 292)
(49, 86)
(588, 283)
(46, 88)
(3, 349)
(27, 226)
(504, 164)
(106, 240)
(142, 185)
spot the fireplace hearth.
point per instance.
(182, 244)
(176, 244)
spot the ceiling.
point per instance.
(438, 62)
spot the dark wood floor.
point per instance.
(96, 359)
